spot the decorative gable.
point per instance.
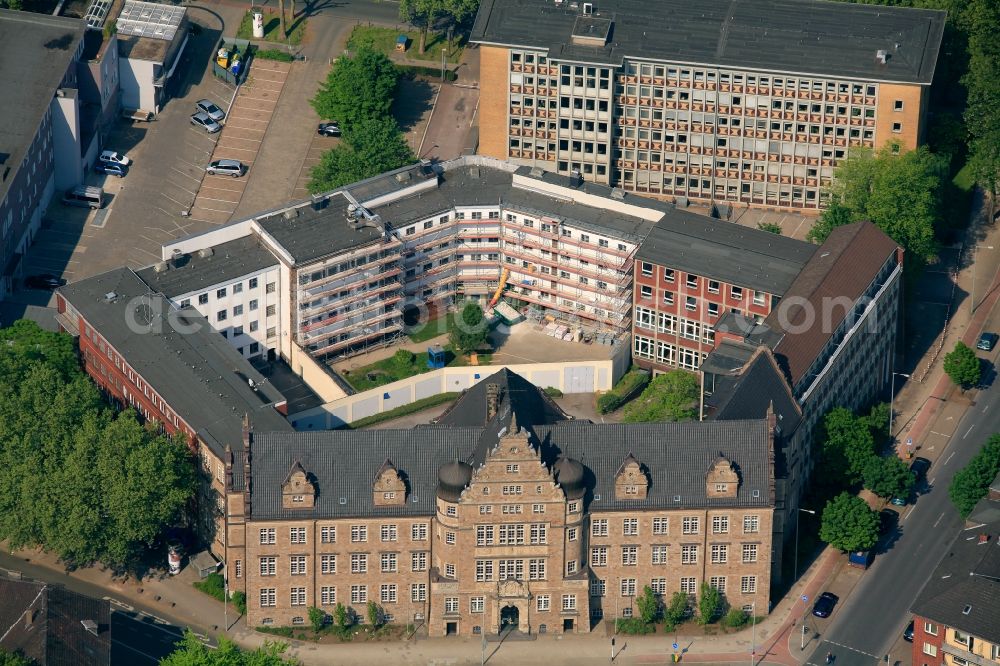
(297, 491)
(631, 481)
(388, 487)
(722, 479)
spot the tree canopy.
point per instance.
(900, 193)
(848, 523)
(981, 19)
(469, 331)
(373, 146)
(76, 478)
(192, 652)
(972, 482)
(847, 445)
(358, 88)
(14, 659)
(887, 476)
(962, 365)
(425, 13)
(673, 396)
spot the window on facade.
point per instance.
(689, 525)
(599, 556)
(748, 584)
(720, 524)
(661, 525)
(359, 562)
(659, 554)
(628, 587)
(689, 554)
(930, 649)
(630, 555)
(749, 552)
(359, 594)
(449, 570)
(689, 585)
(418, 561)
(450, 605)
(751, 524)
(542, 602)
(220, 293)
(720, 553)
(387, 593)
(630, 526)
(477, 604)
(268, 597)
(328, 595)
(298, 596)
(418, 532)
(389, 564)
(297, 565)
(297, 534)
(759, 297)
(359, 533)
(569, 602)
(268, 536)
(418, 592)
(328, 564)
(268, 566)
(736, 293)
(718, 582)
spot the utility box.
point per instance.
(862, 559)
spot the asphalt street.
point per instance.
(863, 628)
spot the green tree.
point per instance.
(887, 476)
(962, 365)
(424, 14)
(12, 4)
(972, 482)
(341, 616)
(672, 396)
(772, 227)
(317, 618)
(676, 610)
(648, 605)
(470, 330)
(709, 605)
(900, 193)
(981, 18)
(358, 88)
(847, 446)
(192, 652)
(370, 147)
(14, 659)
(25, 342)
(848, 523)
(376, 616)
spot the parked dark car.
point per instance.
(987, 341)
(887, 519)
(824, 605)
(43, 281)
(111, 168)
(908, 632)
(328, 129)
(919, 468)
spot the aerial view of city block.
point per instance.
(508, 332)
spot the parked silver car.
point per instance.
(210, 109)
(233, 168)
(202, 120)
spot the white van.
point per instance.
(85, 197)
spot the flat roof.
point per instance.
(149, 19)
(309, 234)
(36, 50)
(725, 251)
(194, 272)
(817, 37)
(191, 366)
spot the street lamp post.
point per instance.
(800, 510)
(753, 634)
(892, 395)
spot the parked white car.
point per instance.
(111, 157)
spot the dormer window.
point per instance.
(722, 487)
(388, 496)
(722, 479)
(297, 490)
(388, 486)
(631, 480)
(298, 499)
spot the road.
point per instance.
(864, 628)
(137, 637)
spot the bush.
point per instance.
(627, 387)
(214, 585)
(676, 610)
(404, 358)
(633, 625)
(673, 396)
(317, 618)
(735, 618)
(710, 604)
(240, 602)
(341, 616)
(273, 54)
(286, 632)
(552, 392)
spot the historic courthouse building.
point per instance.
(537, 521)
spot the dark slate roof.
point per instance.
(196, 371)
(967, 576)
(844, 265)
(677, 456)
(749, 394)
(807, 36)
(725, 251)
(343, 463)
(517, 396)
(193, 272)
(36, 50)
(56, 636)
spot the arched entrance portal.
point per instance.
(509, 618)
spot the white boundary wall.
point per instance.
(568, 377)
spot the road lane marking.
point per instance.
(968, 431)
(936, 522)
(939, 434)
(948, 459)
(986, 409)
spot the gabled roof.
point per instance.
(810, 36)
(845, 265)
(55, 635)
(964, 590)
(748, 393)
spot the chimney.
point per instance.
(29, 618)
(229, 468)
(247, 442)
(492, 401)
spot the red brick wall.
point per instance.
(921, 638)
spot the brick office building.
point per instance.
(174, 370)
(692, 270)
(538, 521)
(752, 103)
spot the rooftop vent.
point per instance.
(90, 626)
(403, 177)
(536, 172)
(205, 252)
(161, 267)
(319, 202)
(290, 214)
(677, 498)
(474, 172)
(588, 8)
(967, 609)
(110, 296)
(882, 56)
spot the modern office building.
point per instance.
(752, 103)
(503, 512)
(41, 136)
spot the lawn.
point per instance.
(272, 28)
(384, 40)
(432, 329)
(401, 365)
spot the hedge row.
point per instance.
(627, 387)
(411, 408)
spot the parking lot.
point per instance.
(240, 139)
(318, 146)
